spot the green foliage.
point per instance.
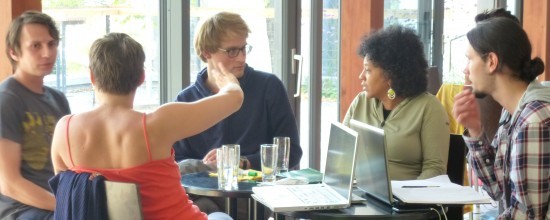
(330, 89)
(128, 19)
(62, 3)
(195, 3)
(80, 3)
(119, 2)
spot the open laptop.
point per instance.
(335, 190)
(372, 167)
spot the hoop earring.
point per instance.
(391, 94)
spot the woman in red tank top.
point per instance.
(125, 145)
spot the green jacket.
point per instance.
(417, 134)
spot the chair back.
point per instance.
(434, 80)
(457, 159)
(455, 169)
(123, 200)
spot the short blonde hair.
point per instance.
(221, 26)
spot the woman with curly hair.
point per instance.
(395, 98)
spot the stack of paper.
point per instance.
(437, 190)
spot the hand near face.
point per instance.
(466, 112)
(221, 75)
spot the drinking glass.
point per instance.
(268, 154)
(226, 168)
(236, 151)
(283, 143)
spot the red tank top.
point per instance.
(162, 196)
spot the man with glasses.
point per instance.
(265, 113)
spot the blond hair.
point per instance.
(221, 26)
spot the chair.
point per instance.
(457, 159)
(123, 200)
(434, 80)
(455, 170)
(90, 196)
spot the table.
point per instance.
(200, 184)
(370, 209)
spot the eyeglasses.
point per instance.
(234, 52)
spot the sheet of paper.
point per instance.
(437, 190)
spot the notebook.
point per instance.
(373, 177)
(333, 192)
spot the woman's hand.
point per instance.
(222, 77)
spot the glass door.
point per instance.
(319, 89)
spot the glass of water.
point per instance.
(268, 154)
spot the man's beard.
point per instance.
(480, 95)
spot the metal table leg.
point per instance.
(258, 211)
(231, 207)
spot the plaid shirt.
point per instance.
(515, 167)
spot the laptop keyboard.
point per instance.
(313, 195)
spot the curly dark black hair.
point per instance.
(399, 52)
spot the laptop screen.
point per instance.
(340, 160)
(372, 167)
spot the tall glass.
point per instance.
(268, 153)
(226, 168)
(283, 144)
(236, 151)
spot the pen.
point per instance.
(418, 186)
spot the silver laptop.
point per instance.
(335, 190)
(372, 167)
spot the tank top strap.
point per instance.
(146, 137)
(67, 137)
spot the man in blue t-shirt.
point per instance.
(265, 113)
(29, 112)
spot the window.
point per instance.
(416, 15)
(459, 19)
(259, 16)
(82, 22)
(318, 103)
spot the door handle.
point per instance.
(297, 57)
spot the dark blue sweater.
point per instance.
(265, 114)
(78, 197)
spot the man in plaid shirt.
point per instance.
(515, 165)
